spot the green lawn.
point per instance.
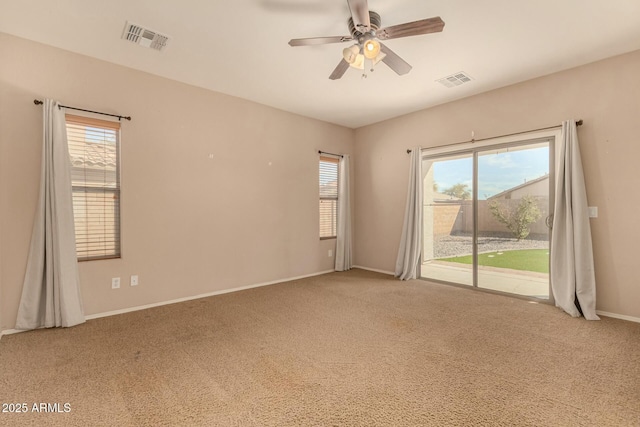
(527, 259)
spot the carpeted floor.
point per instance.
(354, 348)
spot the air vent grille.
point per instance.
(159, 42)
(144, 37)
(133, 33)
(456, 79)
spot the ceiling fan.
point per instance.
(364, 29)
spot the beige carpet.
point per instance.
(355, 348)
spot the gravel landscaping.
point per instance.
(450, 246)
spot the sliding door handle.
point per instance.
(549, 221)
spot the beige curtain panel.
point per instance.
(572, 273)
(343, 233)
(51, 290)
(410, 242)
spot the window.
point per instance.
(328, 197)
(94, 149)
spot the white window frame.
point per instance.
(334, 219)
(91, 120)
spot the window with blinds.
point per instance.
(328, 197)
(94, 149)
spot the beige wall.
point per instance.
(190, 224)
(605, 94)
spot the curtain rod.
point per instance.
(38, 102)
(578, 123)
(331, 154)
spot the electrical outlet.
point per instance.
(593, 212)
(134, 280)
(115, 283)
(330, 254)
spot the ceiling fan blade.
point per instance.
(360, 14)
(319, 40)
(342, 68)
(397, 64)
(416, 28)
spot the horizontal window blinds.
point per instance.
(328, 197)
(95, 177)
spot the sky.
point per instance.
(497, 171)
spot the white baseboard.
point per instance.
(600, 312)
(257, 285)
(618, 316)
(374, 270)
(10, 332)
(158, 304)
(208, 294)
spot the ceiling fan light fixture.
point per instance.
(379, 58)
(371, 49)
(351, 54)
(359, 62)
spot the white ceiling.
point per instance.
(239, 47)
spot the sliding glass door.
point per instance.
(513, 204)
(486, 212)
(448, 217)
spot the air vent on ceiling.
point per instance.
(455, 79)
(144, 37)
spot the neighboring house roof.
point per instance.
(94, 155)
(518, 187)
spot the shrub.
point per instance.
(518, 219)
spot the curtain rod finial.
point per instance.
(37, 102)
(408, 151)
